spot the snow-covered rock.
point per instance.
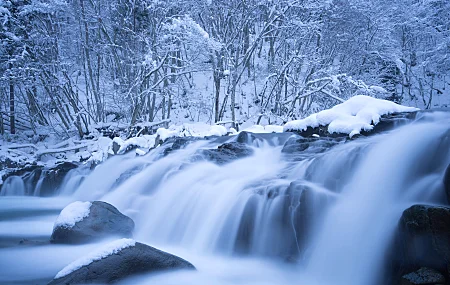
(83, 222)
(107, 250)
(359, 113)
(116, 261)
(72, 214)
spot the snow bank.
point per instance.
(109, 249)
(356, 114)
(258, 129)
(191, 130)
(72, 214)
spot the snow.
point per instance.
(194, 130)
(72, 214)
(351, 117)
(109, 249)
(258, 129)
(145, 142)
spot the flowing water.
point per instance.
(275, 217)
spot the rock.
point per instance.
(424, 237)
(136, 259)
(311, 144)
(177, 143)
(54, 177)
(447, 183)
(227, 152)
(103, 220)
(423, 276)
(245, 137)
(51, 178)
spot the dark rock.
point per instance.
(423, 276)
(104, 220)
(227, 152)
(424, 238)
(115, 147)
(245, 137)
(54, 177)
(294, 210)
(310, 144)
(177, 143)
(447, 182)
(138, 259)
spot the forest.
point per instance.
(66, 66)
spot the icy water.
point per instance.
(310, 217)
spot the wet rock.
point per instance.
(447, 183)
(177, 143)
(103, 221)
(310, 144)
(137, 259)
(227, 152)
(51, 178)
(423, 276)
(54, 177)
(245, 137)
(424, 238)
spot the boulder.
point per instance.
(423, 276)
(82, 223)
(447, 183)
(245, 137)
(117, 261)
(424, 237)
(310, 145)
(227, 152)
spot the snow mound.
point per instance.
(109, 249)
(258, 129)
(351, 117)
(191, 130)
(145, 141)
(72, 214)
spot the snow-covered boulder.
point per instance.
(118, 260)
(89, 221)
(357, 114)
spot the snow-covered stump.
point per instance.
(82, 222)
(116, 261)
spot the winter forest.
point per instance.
(71, 64)
(225, 142)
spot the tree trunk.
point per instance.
(12, 115)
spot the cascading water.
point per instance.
(323, 215)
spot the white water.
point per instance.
(238, 223)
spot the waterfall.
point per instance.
(326, 214)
